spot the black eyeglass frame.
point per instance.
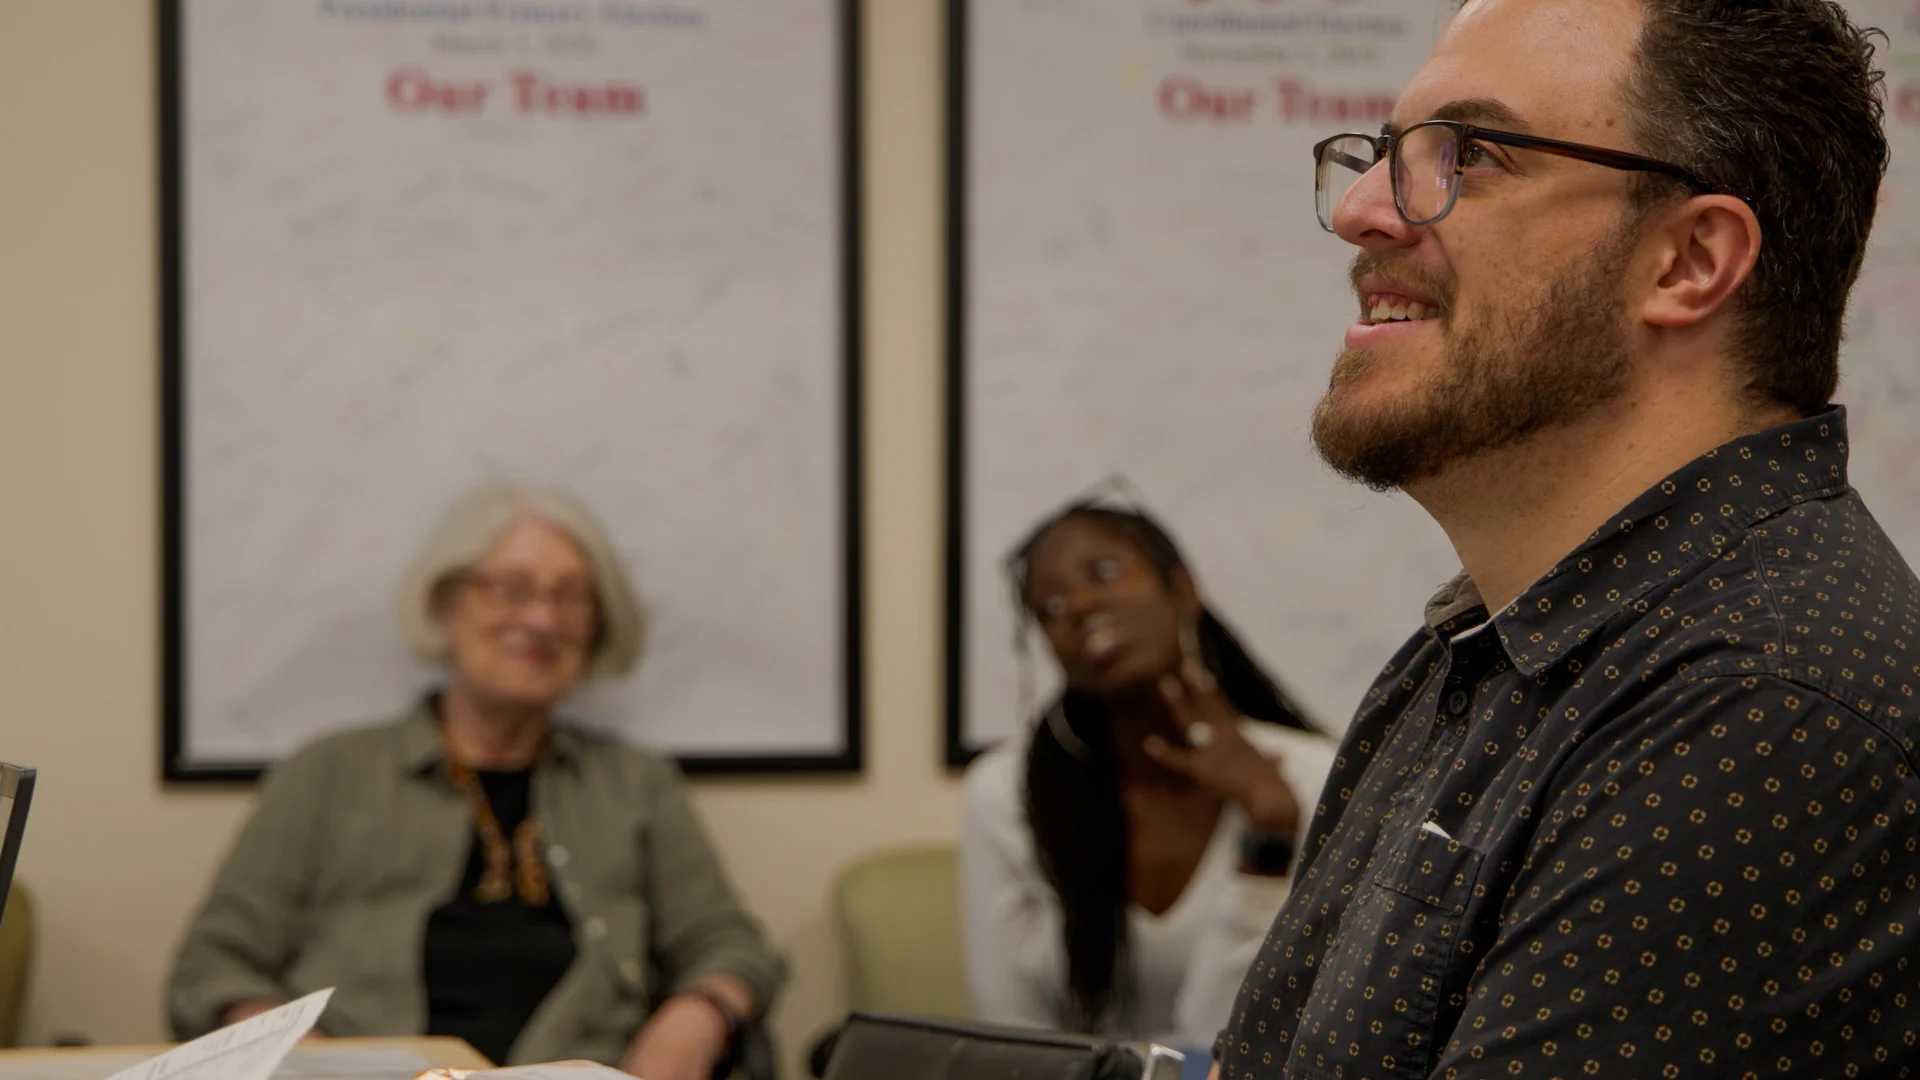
(1386, 147)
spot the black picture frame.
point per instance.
(958, 753)
(176, 764)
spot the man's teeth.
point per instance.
(1399, 310)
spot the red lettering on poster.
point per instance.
(534, 94)
(1906, 102)
(1298, 102)
(1185, 98)
(412, 90)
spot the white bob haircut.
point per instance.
(470, 528)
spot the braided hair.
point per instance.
(1073, 798)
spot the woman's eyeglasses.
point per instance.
(575, 603)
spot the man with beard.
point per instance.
(1639, 800)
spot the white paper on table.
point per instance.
(249, 1050)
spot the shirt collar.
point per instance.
(1457, 608)
(1690, 517)
(421, 751)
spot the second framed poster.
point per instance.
(1139, 286)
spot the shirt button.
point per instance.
(630, 970)
(558, 856)
(596, 928)
(1457, 702)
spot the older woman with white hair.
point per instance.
(480, 867)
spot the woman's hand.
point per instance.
(1217, 757)
(686, 1036)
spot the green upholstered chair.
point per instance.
(16, 956)
(899, 913)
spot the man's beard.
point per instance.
(1545, 361)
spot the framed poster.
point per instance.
(605, 245)
(1139, 286)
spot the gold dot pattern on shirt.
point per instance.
(1657, 818)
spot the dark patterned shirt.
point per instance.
(1657, 818)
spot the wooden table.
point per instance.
(69, 1062)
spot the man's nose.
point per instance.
(1366, 216)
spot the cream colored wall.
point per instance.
(117, 861)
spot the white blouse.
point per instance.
(1187, 963)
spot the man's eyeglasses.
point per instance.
(1428, 160)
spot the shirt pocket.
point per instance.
(1435, 870)
(1375, 1005)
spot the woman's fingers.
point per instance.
(1199, 678)
(1167, 755)
(1179, 698)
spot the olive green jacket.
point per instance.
(359, 837)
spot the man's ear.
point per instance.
(1709, 246)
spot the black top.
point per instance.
(1675, 800)
(488, 966)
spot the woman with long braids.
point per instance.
(1122, 862)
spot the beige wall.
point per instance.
(115, 859)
